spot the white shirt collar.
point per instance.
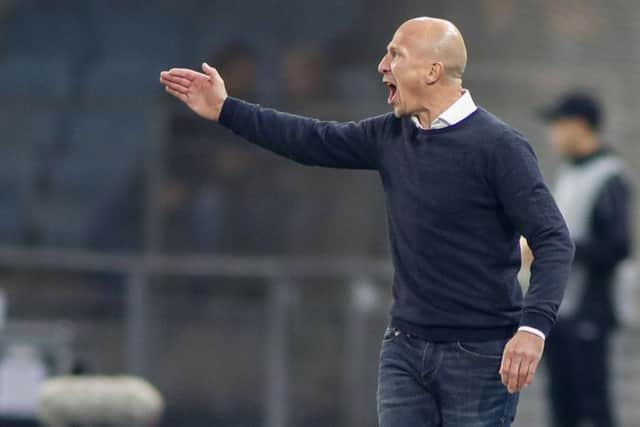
(457, 112)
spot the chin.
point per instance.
(398, 112)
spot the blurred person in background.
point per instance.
(240, 62)
(461, 187)
(306, 81)
(5, 10)
(594, 196)
(205, 194)
(315, 226)
(219, 190)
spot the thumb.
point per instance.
(210, 71)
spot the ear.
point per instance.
(435, 72)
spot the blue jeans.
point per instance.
(449, 384)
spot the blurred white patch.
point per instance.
(104, 401)
(22, 372)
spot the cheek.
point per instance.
(399, 67)
(405, 74)
(553, 135)
(411, 87)
(558, 138)
(562, 145)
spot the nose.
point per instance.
(383, 66)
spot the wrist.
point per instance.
(532, 331)
(536, 320)
(217, 110)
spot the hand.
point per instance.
(520, 360)
(203, 93)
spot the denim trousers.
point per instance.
(444, 384)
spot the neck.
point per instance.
(438, 104)
(586, 153)
(588, 146)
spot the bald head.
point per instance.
(437, 40)
(423, 67)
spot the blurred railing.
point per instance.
(280, 274)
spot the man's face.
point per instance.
(567, 134)
(403, 72)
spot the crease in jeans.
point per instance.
(427, 375)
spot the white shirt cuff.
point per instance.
(533, 331)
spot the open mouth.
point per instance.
(393, 91)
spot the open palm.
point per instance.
(204, 93)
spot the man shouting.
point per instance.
(461, 188)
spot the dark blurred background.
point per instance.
(136, 237)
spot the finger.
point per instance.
(533, 367)
(504, 370)
(177, 88)
(513, 375)
(504, 366)
(181, 96)
(523, 374)
(187, 73)
(168, 78)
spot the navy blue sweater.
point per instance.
(458, 199)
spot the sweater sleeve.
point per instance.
(307, 141)
(529, 205)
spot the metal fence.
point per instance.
(282, 278)
(279, 277)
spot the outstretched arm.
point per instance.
(304, 140)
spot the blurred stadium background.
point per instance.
(136, 238)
